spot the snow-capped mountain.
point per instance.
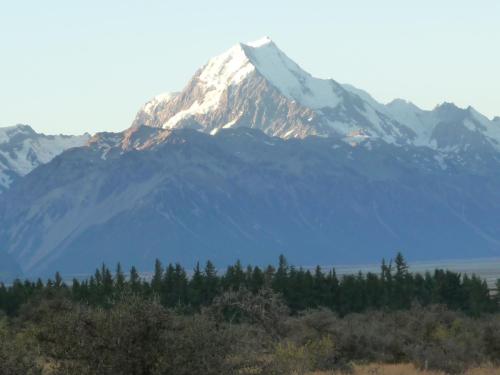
(241, 194)
(256, 85)
(22, 150)
(255, 157)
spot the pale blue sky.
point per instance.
(74, 66)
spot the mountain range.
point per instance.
(22, 150)
(256, 85)
(253, 158)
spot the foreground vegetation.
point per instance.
(394, 288)
(275, 321)
(408, 369)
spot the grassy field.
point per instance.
(407, 369)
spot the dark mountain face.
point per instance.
(244, 195)
(348, 180)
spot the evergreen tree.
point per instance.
(281, 275)
(58, 281)
(134, 280)
(156, 281)
(401, 266)
(332, 299)
(257, 280)
(211, 283)
(196, 286)
(119, 277)
(401, 292)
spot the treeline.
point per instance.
(394, 288)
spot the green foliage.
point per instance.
(395, 288)
(134, 336)
(18, 351)
(238, 332)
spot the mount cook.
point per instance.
(256, 157)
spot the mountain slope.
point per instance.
(22, 150)
(256, 157)
(256, 85)
(242, 194)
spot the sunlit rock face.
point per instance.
(255, 157)
(256, 85)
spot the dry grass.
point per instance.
(407, 369)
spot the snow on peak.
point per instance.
(222, 71)
(157, 100)
(263, 55)
(448, 106)
(228, 68)
(166, 96)
(22, 150)
(289, 78)
(336, 109)
(6, 133)
(260, 42)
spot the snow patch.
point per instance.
(230, 124)
(260, 42)
(290, 79)
(163, 98)
(23, 150)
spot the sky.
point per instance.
(88, 65)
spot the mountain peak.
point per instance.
(260, 42)
(22, 149)
(289, 78)
(448, 106)
(402, 103)
(264, 56)
(19, 127)
(255, 84)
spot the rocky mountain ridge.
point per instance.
(255, 157)
(256, 85)
(22, 150)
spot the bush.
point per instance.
(135, 336)
(18, 353)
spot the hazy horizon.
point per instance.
(88, 66)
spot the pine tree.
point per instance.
(39, 284)
(119, 277)
(156, 282)
(401, 265)
(281, 275)
(257, 280)
(402, 293)
(333, 290)
(58, 281)
(211, 284)
(320, 288)
(76, 290)
(234, 278)
(387, 282)
(196, 286)
(107, 283)
(181, 285)
(134, 280)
